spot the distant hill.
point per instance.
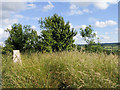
(104, 44)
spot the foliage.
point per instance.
(94, 48)
(30, 38)
(89, 36)
(16, 37)
(78, 47)
(7, 49)
(21, 38)
(56, 34)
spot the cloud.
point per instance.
(33, 27)
(101, 5)
(96, 3)
(6, 22)
(16, 6)
(8, 27)
(106, 33)
(74, 10)
(36, 18)
(80, 4)
(78, 39)
(73, 6)
(105, 39)
(3, 35)
(9, 9)
(13, 6)
(92, 19)
(87, 11)
(71, 26)
(19, 16)
(50, 6)
(1, 44)
(101, 24)
(31, 6)
(78, 27)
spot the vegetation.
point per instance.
(65, 66)
(61, 70)
(56, 35)
(89, 37)
(21, 38)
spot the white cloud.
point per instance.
(80, 4)
(104, 38)
(13, 6)
(1, 44)
(96, 3)
(106, 33)
(87, 11)
(30, 6)
(102, 24)
(73, 6)
(74, 10)
(114, 1)
(116, 29)
(33, 27)
(78, 27)
(101, 5)
(6, 22)
(78, 39)
(92, 19)
(19, 16)
(8, 27)
(36, 18)
(50, 6)
(16, 6)
(9, 10)
(3, 35)
(20, 0)
(71, 26)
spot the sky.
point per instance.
(103, 16)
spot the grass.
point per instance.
(61, 70)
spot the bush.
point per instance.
(94, 48)
(78, 48)
(7, 49)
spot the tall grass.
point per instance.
(61, 70)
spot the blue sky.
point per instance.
(103, 16)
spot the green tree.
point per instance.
(89, 37)
(30, 38)
(56, 34)
(15, 39)
(21, 38)
(88, 34)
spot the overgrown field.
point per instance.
(61, 70)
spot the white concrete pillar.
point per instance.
(17, 56)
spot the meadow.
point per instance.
(61, 70)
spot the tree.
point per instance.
(15, 39)
(89, 36)
(56, 34)
(21, 38)
(30, 38)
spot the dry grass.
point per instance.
(62, 69)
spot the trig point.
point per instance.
(16, 56)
